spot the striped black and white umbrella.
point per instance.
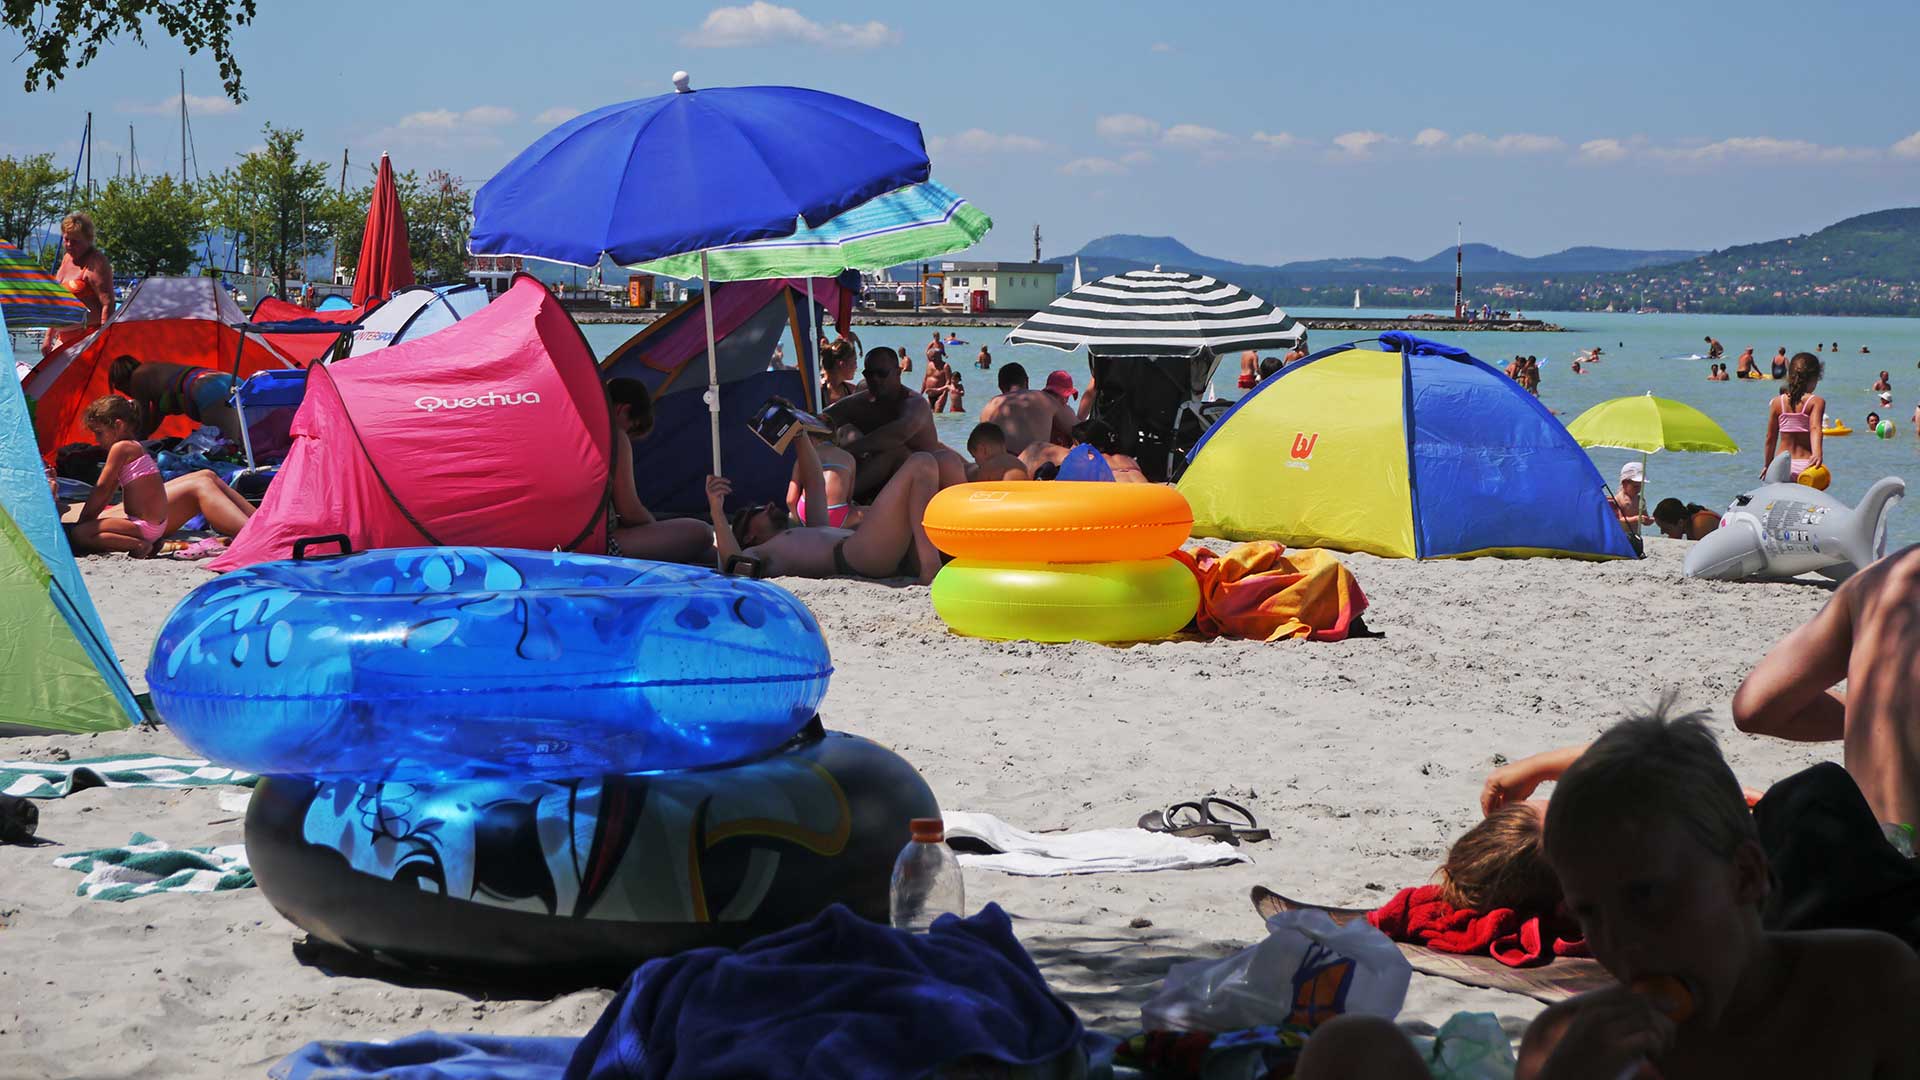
(1159, 313)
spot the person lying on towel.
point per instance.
(765, 541)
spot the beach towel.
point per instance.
(1419, 915)
(1263, 592)
(836, 997)
(147, 866)
(58, 779)
(431, 1055)
(1096, 851)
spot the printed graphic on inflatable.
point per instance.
(586, 875)
(454, 663)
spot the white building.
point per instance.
(1008, 286)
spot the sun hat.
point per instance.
(1061, 383)
(1634, 471)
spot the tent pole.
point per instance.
(813, 347)
(713, 362)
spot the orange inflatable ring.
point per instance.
(1058, 521)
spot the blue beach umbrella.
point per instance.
(690, 171)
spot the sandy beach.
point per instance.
(1364, 757)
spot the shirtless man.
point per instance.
(200, 394)
(1028, 417)
(1715, 350)
(1249, 370)
(1882, 383)
(936, 383)
(85, 273)
(1869, 635)
(1744, 368)
(890, 542)
(894, 423)
(988, 445)
(1297, 353)
(985, 360)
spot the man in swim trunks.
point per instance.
(1249, 370)
(1715, 350)
(936, 383)
(988, 445)
(1027, 417)
(890, 542)
(200, 394)
(1744, 368)
(894, 423)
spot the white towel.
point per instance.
(1097, 851)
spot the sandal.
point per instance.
(1250, 832)
(1168, 821)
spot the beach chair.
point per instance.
(273, 389)
(1157, 407)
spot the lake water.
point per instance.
(1633, 345)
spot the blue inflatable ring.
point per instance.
(462, 663)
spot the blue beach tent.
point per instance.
(59, 672)
(1404, 448)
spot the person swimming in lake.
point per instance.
(1744, 369)
(1883, 384)
(1715, 350)
(984, 361)
(1780, 363)
(150, 507)
(1796, 415)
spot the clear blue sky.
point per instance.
(1253, 131)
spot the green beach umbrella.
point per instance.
(1650, 424)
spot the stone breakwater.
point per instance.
(1015, 318)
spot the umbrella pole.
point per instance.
(813, 347)
(713, 362)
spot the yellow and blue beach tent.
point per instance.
(1400, 447)
(58, 671)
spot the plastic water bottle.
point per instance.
(926, 879)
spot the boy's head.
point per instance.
(120, 374)
(987, 440)
(1498, 864)
(1658, 857)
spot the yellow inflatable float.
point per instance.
(1838, 427)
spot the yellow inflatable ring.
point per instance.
(1837, 429)
(1141, 600)
(1058, 521)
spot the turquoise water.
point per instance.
(1632, 364)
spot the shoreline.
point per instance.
(612, 317)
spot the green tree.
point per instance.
(55, 31)
(149, 226)
(32, 192)
(439, 223)
(272, 202)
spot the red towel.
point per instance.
(1418, 916)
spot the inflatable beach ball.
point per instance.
(1885, 430)
(1816, 477)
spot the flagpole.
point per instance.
(713, 362)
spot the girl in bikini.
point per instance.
(150, 507)
(1796, 416)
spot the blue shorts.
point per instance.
(208, 391)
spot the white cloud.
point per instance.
(1602, 150)
(1163, 47)
(1093, 166)
(1908, 147)
(1429, 138)
(1135, 157)
(448, 130)
(1359, 143)
(1194, 135)
(1762, 148)
(761, 23)
(449, 121)
(981, 141)
(1126, 127)
(1475, 142)
(170, 106)
(559, 114)
(1278, 140)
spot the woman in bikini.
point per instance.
(1796, 415)
(837, 468)
(150, 507)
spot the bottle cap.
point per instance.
(928, 829)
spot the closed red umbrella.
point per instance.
(385, 263)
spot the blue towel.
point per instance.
(838, 997)
(1083, 462)
(429, 1055)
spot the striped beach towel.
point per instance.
(146, 866)
(58, 779)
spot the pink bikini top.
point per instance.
(142, 466)
(1793, 422)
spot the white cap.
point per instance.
(1634, 471)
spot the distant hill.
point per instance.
(1125, 251)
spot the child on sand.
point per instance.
(988, 445)
(150, 507)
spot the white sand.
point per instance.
(1364, 757)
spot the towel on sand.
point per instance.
(1262, 592)
(430, 1055)
(1097, 851)
(58, 779)
(837, 997)
(146, 866)
(1419, 917)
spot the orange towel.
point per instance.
(1262, 591)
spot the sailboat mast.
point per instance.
(89, 154)
(1459, 294)
(133, 156)
(183, 125)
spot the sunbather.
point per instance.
(200, 394)
(635, 532)
(764, 541)
(150, 507)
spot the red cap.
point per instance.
(931, 830)
(1061, 383)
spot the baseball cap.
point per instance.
(1061, 383)
(1634, 471)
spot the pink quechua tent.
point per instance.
(494, 431)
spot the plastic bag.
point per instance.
(1307, 971)
(1469, 1046)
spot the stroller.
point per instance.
(1157, 406)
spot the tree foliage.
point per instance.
(149, 226)
(71, 32)
(439, 213)
(32, 197)
(273, 202)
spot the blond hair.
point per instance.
(104, 412)
(1650, 768)
(81, 220)
(1498, 864)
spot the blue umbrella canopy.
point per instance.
(693, 170)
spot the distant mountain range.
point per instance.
(1126, 251)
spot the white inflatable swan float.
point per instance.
(1782, 529)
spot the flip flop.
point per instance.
(1250, 832)
(1167, 821)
